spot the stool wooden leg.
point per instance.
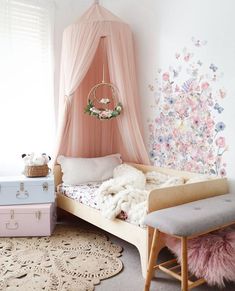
(184, 264)
(152, 258)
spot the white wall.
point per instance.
(161, 28)
(213, 21)
(66, 12)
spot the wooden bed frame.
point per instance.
(157, 199)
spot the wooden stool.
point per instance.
(186, 222)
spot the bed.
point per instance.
(157, 199)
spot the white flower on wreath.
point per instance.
(118, 108)
(106, 114)
(105, 101)
(95, 110)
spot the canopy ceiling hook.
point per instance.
(96, 1)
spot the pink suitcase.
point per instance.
(27, 220)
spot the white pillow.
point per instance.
(83, 170)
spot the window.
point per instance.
(26, 81)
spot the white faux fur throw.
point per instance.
(127, 191)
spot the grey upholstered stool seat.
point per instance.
(185, 222)
(196, 217)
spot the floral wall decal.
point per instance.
(187, 131)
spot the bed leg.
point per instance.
(143, 251)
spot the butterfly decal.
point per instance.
(210, 100)
(175, 71)
(193, 72)
(198, 42)
(177, 56)
(199, 63)
(186, 55)
(222, 93)
(157, 96)
(177, 88)
(214, 78)
(151, 88)
(213, 68)
(218, 108)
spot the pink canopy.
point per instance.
(99, 38)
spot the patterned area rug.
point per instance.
(70, 260)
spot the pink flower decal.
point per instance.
(205, 85)
(196, 121)
(222, 172)
(220, 142)
(165, 76)
(186, 132)
(210, 123)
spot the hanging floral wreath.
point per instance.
(103, 113)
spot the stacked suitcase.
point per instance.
(27, 206)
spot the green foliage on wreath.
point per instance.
(101, 113)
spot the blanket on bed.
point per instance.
(127, 191)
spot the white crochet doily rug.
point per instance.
(71, 259)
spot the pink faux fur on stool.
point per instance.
(211, 256)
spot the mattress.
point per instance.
(85, 194)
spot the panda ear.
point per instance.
(24, 155)
(44, 154)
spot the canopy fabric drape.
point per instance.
(99, 38)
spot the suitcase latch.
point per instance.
(45, 186)
(22, 193)
(12, 225)
(12, 213)
(38, 215)
(21, 187)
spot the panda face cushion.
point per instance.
(28, 159)
(35, 160)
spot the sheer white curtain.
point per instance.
(26, 81)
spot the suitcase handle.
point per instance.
(21, 195)
(15, 226)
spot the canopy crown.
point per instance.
(97, 13)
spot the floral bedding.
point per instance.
(84, 193)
